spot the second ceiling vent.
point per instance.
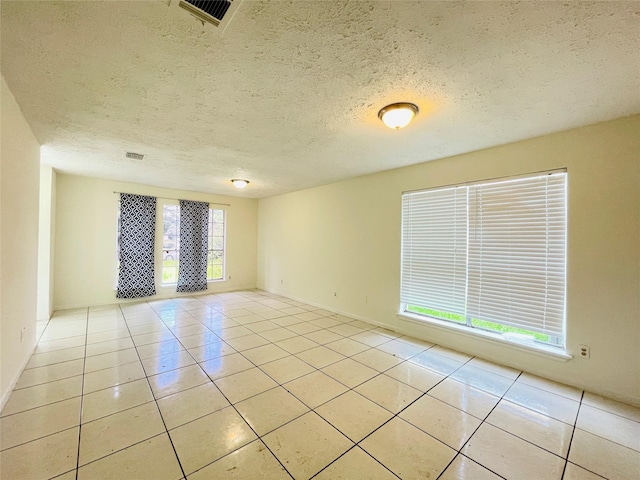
(134, 156)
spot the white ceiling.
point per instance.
(288, 96)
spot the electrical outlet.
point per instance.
(584, 351)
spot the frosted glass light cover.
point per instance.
(398, 115)
(240, 183)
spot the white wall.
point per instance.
(345, 238)
(46, 242)
(19, 183)
(85, 240)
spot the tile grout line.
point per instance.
(517, 436)
(48, 404)
(354, 446)
(258, 437)
(55, 362)
(529, 441)
(84, 362)
(209, 380)
(43, 330)
(317, 369)
(482, 421)
(611, 413)
(154, 399)
(312, 409)
(119, 411)
(394, 415)
(349, 389)
(43, 405)
(426, 393)
(50, 381)
(281, 385)
(52, 364)
(118, 450)
(40, 438)
(278, 384)
(573, 432)
(573, 426)
(405, 360)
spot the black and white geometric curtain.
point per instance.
(137, 234)
(194, 242)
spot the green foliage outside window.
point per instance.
(475, 322)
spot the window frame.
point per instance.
(465, 324)
(117, 269)
(224, 244)
(160, 240)
(161, 267)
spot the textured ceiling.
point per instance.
(288, 96)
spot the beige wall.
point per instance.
(46, 242)
(85, 240)
(345, 238)
(19, 183)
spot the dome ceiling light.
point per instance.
(239, 183)
(398, 115)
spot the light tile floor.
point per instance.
(252, 385)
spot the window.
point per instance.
(489, 256)
(215, 258)
(171, 244)
(115, 284)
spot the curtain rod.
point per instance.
(169, 198)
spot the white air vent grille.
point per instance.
(134, 156)
(215, 12)
(212, 11)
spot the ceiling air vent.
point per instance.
(134, 156)
(215, 12)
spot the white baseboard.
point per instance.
(407, 327)
(123, 301)
(12, 385)
(339, 312)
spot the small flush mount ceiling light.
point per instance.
(239, 183)
(398, 115)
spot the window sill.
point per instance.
(173, 285)
(536, 349)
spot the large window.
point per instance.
(115, 280)
(171, 244)
(215, 258)
(489, 256)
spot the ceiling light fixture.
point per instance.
(398, 115)
(239, 183)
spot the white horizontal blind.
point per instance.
(434, 249)
(517, 243)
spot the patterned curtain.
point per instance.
(137, 234)
(192, 265)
